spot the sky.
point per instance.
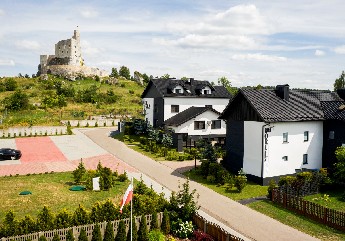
(295, 42)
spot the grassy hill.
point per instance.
(54, 99)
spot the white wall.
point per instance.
(218, 104)
(252, 157)
(294, 149)
(188, 127)
(150, 110)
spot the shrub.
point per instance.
(165, 226)
(27, 225)
(82, 235)
(154, 221)
(10, 224)
(230, 182)
(123, 177)
(45, 219)
(156, 235)
(56, 237)
(69, 236)
(211, 179)
(134, 231)
(80, 216)
(272, 184)
(204, 168)
(109, 232)
(201, 236)
(69, 130)
(121, 232)
(79, 173)
(63, 219)
(182, 229)
(240, 181)
(42, 238)
(142, 232)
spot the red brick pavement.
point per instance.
(39, 149)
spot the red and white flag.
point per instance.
(127, 197)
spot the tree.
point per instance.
(79, 173)
(70, 236)
(10, 84)
(96, 233)
(339, 166)
(124, 72)
(63, 219)
(227, 84)
(240, 180)
(17, 101)
(121, 232)
(134, 231)
(56, 237)
(146, 78)
(165, 226)
(114, 73)
(27, 225)
(109, 232)
(195, 154)
(10, 224)
(340, 82)
(165, 76)
(143, 234)
(80, 216)
(45, 219)
(154, 221)
(82, 235)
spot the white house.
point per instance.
(276, 132)
(168, 103)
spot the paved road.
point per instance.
(240, 218)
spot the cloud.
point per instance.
(340, 49)
(4, 62)
(319, 52)
(27, 44)
(2, 12)
(214, 72)
(258, 57)
(89, 13)
(109, 63)
(88, 49)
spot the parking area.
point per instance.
(57, 154)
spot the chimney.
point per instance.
(282, 91)
(341, 93)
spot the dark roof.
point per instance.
(187, 115)
(334, 110)
(191, 88)
(302, 105)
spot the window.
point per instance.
(305, 159)
(199, 125)
(216, 124)
(306, 136)
(175, 109)
(285, 158)
(208, 106)
(206, 92)
(178, 91)
(285, 137)
(331, 135)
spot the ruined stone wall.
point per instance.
(70, 48)
(72, 70)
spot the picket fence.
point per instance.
(317, 212)
(217, 232)
(88, 228)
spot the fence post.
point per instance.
(325, 213)
(284, 199)
(228, 237)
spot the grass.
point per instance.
(127, 103)
(333, 200)
(251, 189)
(297, 221)
(51, 190)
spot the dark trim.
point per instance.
(265, 181)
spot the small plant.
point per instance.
(123, 177)
(324, 197)
(45, 133)
(272, 185)
(113, 123)
(211, 179)
(78, 124)
(87, 124)
(82, 235)
(69, 236)
(165, 226)
(156, 235)
(121, 232)
(96, 124)
(240, 180)
(182, 229)
(104, 123)
(201, 236)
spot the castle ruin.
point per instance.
(67, 61)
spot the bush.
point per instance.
(63, 219)
(142, 232)
(121, 232)
(165, 226)
(17, 101)
(45, 220)
(69, 236)
(154, 221)
(123, 177)
(272, 184)
(42, 238)
(56, 237)
(201, 236)
(211, 179)
(156, 235)
(82, 235)
(182, 229)
(240, 181)
(79, 173)
(109, 232)
(80, 216)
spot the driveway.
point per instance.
(239, 218)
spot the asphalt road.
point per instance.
(238, 217)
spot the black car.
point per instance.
(9, 154)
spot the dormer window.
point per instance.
(178, 89)
(206, 92)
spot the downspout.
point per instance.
(262, 149)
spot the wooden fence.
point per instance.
(218, 233)
(317, 212)
(76, 230)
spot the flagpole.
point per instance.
(131, 209)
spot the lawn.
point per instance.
(331, 201)
(52, 190)
(251, 190)
(297, 221)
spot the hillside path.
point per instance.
(242, 219)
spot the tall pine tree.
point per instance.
(96, 233)
(143, 234)
(121, 231)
